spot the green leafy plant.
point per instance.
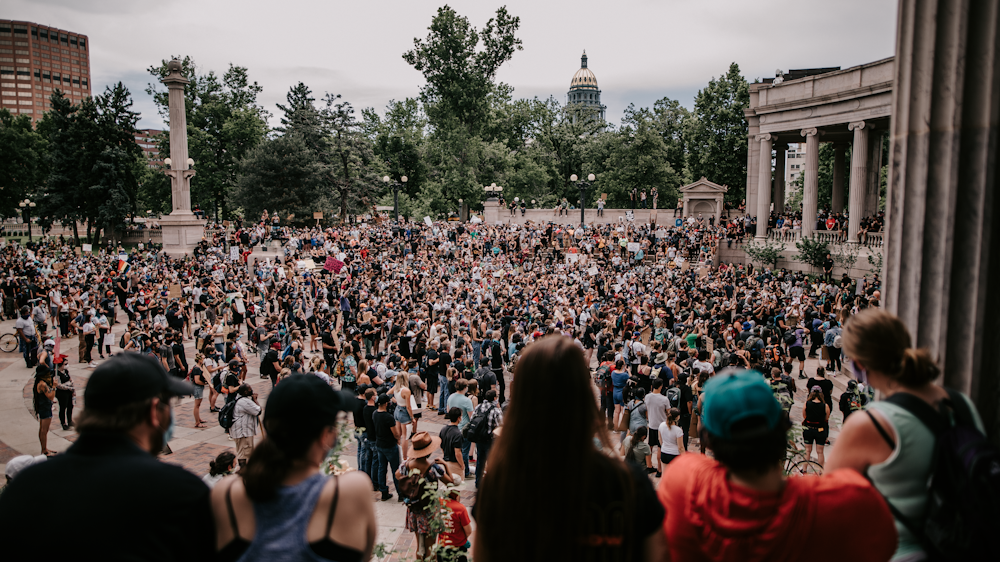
(766, 253)
(847, 256)
(875, 260)
(812, 251)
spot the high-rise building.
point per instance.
(583, 88)
(35, 60)
(147, 139)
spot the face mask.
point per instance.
(169, 433)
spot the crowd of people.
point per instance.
(621, 352)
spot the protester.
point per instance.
(424, 477)
(111, 470)
(222, 466)
(282, 506)
(245, 420)
(891, 445)
(739, 506)
(554, 366)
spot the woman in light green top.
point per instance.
(879, 347)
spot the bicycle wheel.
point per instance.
(806, 467)
(8, 342)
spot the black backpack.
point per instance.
(604, 379)
(963, 493)
(227, 415)
(789, 337)
(477, 430)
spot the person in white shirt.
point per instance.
(671, 437)
(244, 423)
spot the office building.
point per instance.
(37, 59)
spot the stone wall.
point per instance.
(734, 254)
(493, 214)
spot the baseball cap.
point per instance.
(50, 343)
(19, 463)
(735, 397)
(383, 399)
(130, 377)
(306, 399)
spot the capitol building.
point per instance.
(583, 89)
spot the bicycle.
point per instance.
(8, 343)
(796, 463)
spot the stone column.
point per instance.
(181, 230)
(778, 196)
(870, 207)
(859, 173)
(837, 196)
(810, 184)
(753, 159)
(942, 267)
(763, 185)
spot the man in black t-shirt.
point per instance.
(269, 364)
(386, 445)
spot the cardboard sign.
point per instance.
(226, 223)
(572, 258)
(604, 196)
(592, 271)
(318, 215)
(174, 291)
(88, 248)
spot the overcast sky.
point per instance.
(640, 50)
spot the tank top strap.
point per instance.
(282, 522)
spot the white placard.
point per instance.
(633, 246)
(234, 253)
(592, 271)
(109, 339)
(88, 248)
(428, 221)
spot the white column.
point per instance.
(810, 185)
(859, 174)
(763, 185)
(778, 197)
(837, 197)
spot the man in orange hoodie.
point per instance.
(741, 507)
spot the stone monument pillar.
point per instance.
(810, 183)
(942, 266)
(181, 229)
(763, 186)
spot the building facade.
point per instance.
(37, 59)
(147, 139)
(583, 89)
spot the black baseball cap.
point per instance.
(307, 399)
(127, 378)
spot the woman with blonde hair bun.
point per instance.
(890, 443)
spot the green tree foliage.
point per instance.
(284, 176)
(352, 169)
(224, 120)
(812, 251)
(766, 253)
(23, 167)
(94, 163)
(717, 134)
(639, 160)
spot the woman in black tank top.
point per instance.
(815, 424)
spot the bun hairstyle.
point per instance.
(880, 341)
(221, 463)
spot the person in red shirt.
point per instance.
(459, 528)
(741, 507)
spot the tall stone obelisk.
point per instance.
(182, 230)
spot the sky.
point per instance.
(640, 50)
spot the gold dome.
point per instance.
(583, 77)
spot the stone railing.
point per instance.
(145, 236)
(874, 239)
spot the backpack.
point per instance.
(227, 415)
(604, 379)
(413, 488)
(838, 342)
(121, 341)
(255, 336)
(963, 493)
(674, 397)
(217, 381)
(781, 393)
(789, 337)
(477, 430)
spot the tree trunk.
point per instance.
(76, 233)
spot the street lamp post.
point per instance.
(582, 186)
(26, 207)
(396, 185)
(461, 210)
(493, 190)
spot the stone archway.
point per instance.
(703, 197)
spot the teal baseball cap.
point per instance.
(734, 397)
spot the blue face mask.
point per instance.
(169, 433)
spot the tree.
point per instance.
(639, 160)
(767, 253)
(812, 251)
(460, 63)
(283, 176)
(114, 185)
(23, 166)
(718, 131)
(352, 168)
(399, 140)
(224, 120)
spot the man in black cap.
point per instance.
(151, 509)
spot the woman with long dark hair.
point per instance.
(607, 511)
(282, 506)
(815, 422)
